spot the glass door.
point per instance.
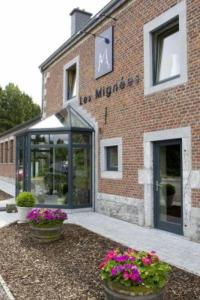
(168, 186)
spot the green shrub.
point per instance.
(171, 190)
(25, 199)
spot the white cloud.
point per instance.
(30, 30)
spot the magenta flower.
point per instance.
(44, 215)
(126, 275)
(147, 261)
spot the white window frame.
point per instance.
(178, 10)
(66, 67)
(103, 158)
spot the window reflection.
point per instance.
(39, 139)
(59, 139)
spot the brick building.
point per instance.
(120, 130)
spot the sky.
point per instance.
(30, 31)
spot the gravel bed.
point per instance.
(68, 269)
(4, 196)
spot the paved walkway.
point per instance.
(171, 248)
(7, 185)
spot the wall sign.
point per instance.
(107, 91)
(104, 53)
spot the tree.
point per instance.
(16, 107)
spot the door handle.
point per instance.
(158, 185)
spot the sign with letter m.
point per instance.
(104, 53)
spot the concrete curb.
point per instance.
(6, 289)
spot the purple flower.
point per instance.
(135, 276)
(38, 215)
(121, 258)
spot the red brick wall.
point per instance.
(8, 169)
(130, 113)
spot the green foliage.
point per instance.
(140, 273)
(25, 199)
(15, 107)
(171, 190)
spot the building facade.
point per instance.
(120, 117)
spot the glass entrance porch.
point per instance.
(54, 161)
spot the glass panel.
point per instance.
(49, 175)
(39, 139)
(63, 119)
(112, 158)
(71, 82)
(81, 177)
(20, 171)
(170, 53)
(170, 184)
(81, 138)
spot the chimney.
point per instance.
(79, 18)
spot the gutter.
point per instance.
(97, 19)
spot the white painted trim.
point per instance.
(106, 143)
(145, 176)
(72, 62)
(177, 10)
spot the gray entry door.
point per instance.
(168, 204)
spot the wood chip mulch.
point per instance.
(4, 196)
(68, 269)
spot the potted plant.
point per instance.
(134, 275)
(46, 224)
(171, 190)
(25, 201)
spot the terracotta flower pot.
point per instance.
(46, 234)
(113, 293)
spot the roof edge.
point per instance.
(20, 126)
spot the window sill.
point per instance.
(165, 85)
(111, 175)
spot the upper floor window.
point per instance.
(165, 50)
(71, 80)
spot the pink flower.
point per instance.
(111, 254)
(146, 261)
(126, 275)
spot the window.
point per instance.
(71, 80)
(165, 50)
(6, 152)
(112, 158)
(11, 151)
(1, 153)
